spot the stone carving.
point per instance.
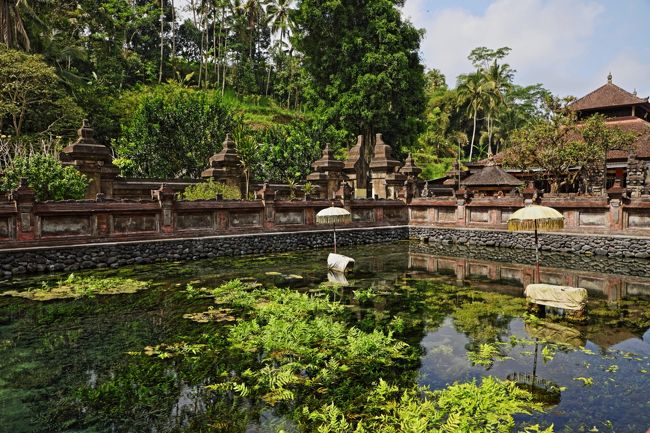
(328, 174)
(411, 171)
(355, 169)
(93, 159)
(226, 166)
(384, 171)
(636, 175)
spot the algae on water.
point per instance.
(75, 287)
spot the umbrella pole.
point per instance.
(536, 254)
(334, 224)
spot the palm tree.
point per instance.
(471, 90)
(12, 28)
(497, 80)
(279, 15)
(253, 11)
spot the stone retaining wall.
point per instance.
(601, 265)
(601, 245)
(72, 258)
(69, 258)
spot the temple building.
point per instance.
(628, 112)
(626, 169)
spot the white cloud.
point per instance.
(628, 72)
(546, 37)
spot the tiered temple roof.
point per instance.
(491, 176)
(610, 96)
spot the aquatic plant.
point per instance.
(467, 407)
(297, 351)
(78, 287)
(486, 355)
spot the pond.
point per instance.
(173, 355)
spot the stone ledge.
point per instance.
(600, 245)
(72, 258)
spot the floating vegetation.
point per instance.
(362, 295)
(75, 287)
(586, 381)
(486, 355)
(212, 315)
(297, 353)
(164, 351)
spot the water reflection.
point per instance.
(53, 349)
(490, 268)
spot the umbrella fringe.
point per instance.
(333, 219)
(550, 224)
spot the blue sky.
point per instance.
(567, 45)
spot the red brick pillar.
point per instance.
(310, 216)
(460, 213)
(379, 214)
(268, 198)
(165, 197)
(615, 215)
(24, 198)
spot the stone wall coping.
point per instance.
(562, 233)
(637, 205)
(59, 208)
(8, 208)
(369, 202)
(429, 203)
(202, 205)
(496, 203)
(157, 181)
(196, 238)
(571, 204)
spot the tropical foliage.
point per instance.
(46, 176)
(209, 191)
(563, 153)
(172, 131)
(163, 81)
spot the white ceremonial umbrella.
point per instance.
(536, 217)
(333, 215)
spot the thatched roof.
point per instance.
(492, 175)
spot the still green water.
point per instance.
(67, 365)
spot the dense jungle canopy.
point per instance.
(284, 76)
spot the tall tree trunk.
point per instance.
(207, 46)
(489, 125)
(471, 146)
(173, 55)
(193, 6)
(162, 40)
(215, 66)
(268, 81)
(605, 171)
(223, 74)
(220, 53)
(202, 52)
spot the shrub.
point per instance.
(209, 191)
(47, 177)
(172, 132)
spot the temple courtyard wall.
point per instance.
(71, 235)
